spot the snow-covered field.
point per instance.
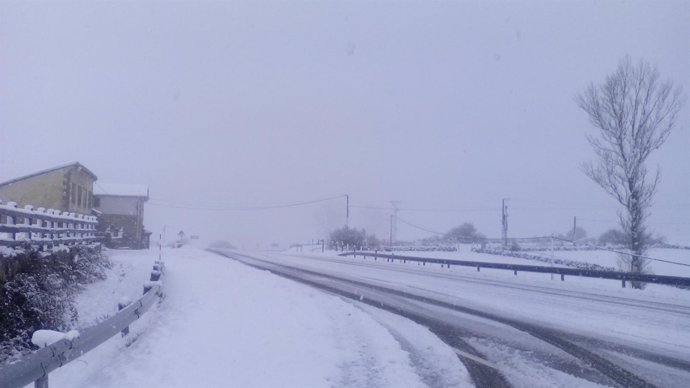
(650, 321)
(600, 257)
(465, 252)
(610, 259)
(224, 324)
(588, 306)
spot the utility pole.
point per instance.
(574, 228)
(347, 211)
(504, 222)
(394, 221)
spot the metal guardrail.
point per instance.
(21, 226)
(622, 276)
(36, 366)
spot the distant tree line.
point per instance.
(345, 237)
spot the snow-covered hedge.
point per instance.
(37, 292)
(418, 248)
(527, 256)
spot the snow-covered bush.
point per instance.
(39, 294)
(528, 256)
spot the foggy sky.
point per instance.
(435, 105)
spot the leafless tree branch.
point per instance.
(634, 112)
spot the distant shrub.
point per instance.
(514, 246)
(221, 244)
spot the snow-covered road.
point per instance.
(641, 331)
(224, 324)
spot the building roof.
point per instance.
(121, 190)
(73, 164)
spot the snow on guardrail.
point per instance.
(61, 348)
(622, 276)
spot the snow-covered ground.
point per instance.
(600, 257)
(610, 259)
(465, 252)
(222, 323)
(225, 324)
(608, 309)
(598, 312)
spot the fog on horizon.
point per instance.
(228, 109)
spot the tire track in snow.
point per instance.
(365, 364)
(665, 307)
(481, 374)
(435, 363)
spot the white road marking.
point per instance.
(475, 358)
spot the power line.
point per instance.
(648, 222)
(420, 227)
(625, 253)
(182, 205)
(388, 208)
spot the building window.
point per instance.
(73, 194)
(78, 195)
(89, 202)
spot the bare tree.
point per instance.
(635, 113)
(463, 234)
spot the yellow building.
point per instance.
(66, 188)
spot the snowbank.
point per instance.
(225, 324)
(45, 338)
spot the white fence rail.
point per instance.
(44, 227)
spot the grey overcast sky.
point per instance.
(438, 105)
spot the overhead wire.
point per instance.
(182, 205)
(419, 227)
(468, 209)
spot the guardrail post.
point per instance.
(515, 272)
(42, 382)
(121, 305)
(562, 277)
(477, 268)
(623, 282)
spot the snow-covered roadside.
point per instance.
(599, 257)
(225, 324)
(124, 282)
(624, 315)
(610, 259)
